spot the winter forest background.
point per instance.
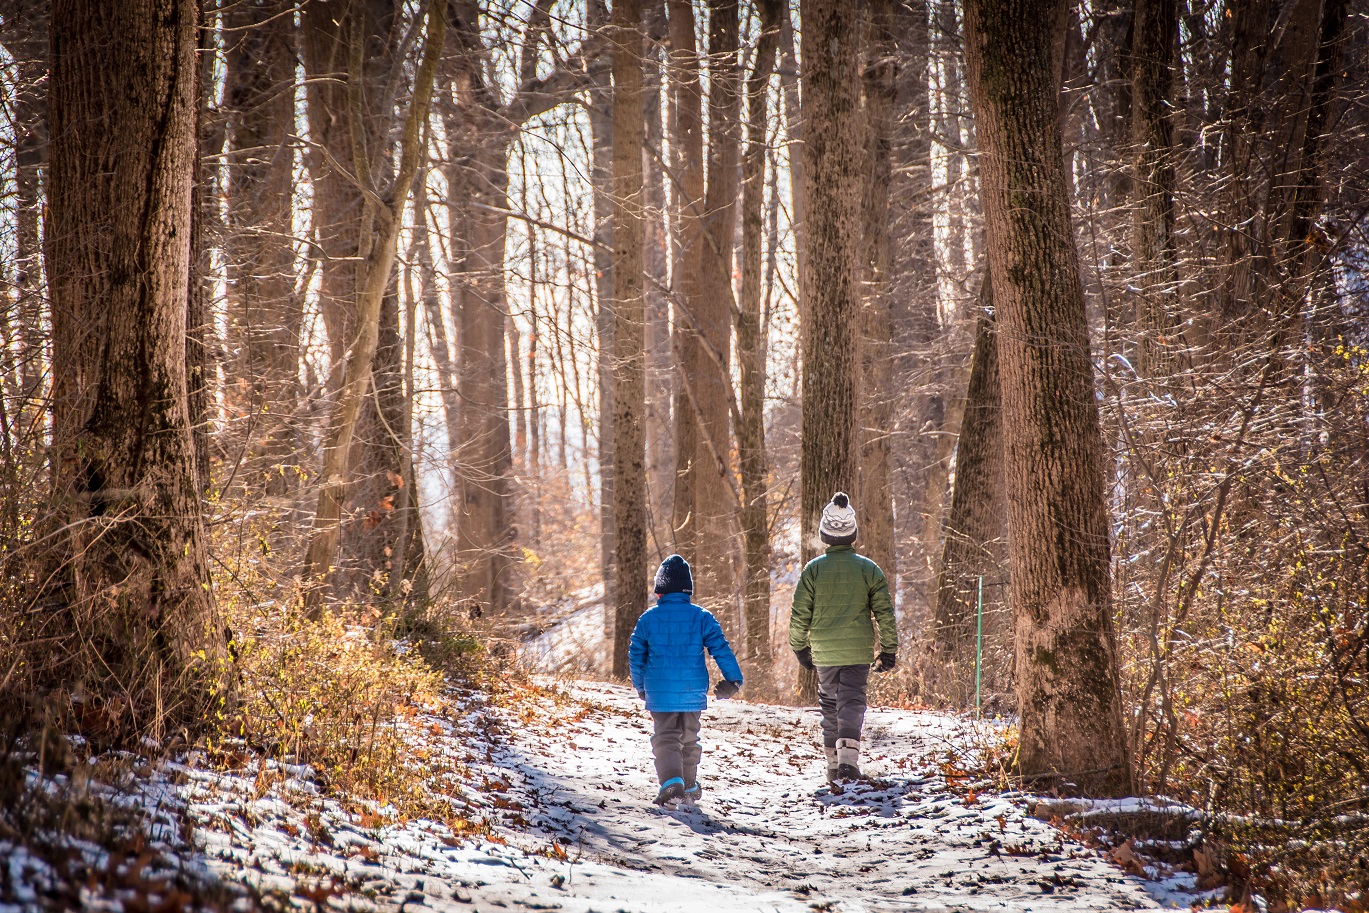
(446, 321)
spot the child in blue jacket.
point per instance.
(666, 657)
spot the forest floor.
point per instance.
(556, 813)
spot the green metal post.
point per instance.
(979, 644)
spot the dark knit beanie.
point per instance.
(673, 577)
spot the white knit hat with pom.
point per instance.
(839, 519)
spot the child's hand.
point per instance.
(725, 690)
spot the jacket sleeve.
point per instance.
(883, 609)
(801, 611)
(716, 642)
(636, 655)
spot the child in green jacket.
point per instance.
(840, 598)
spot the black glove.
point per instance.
(886, 662)
(725, 690)
(641, 695)
(805, 657)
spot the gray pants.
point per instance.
(676, 746)
(841, 694)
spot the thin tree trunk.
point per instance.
(132, 580)
(1069, 698)
(629, 353)
(755, 469)
(834, 155)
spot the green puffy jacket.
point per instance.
(837, 595)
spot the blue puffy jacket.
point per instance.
(667, 655)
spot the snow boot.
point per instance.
(831, 753)
(693, 791)
(848, 759)
(672, 790)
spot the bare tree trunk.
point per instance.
(132, 581)
(265, 314)
(381, 236)
(1155, 36)
(199, 318)
(1069, 697)
(713, 315)
(25, 38)
(629, 352)
(435, 320)
(687, 143)
(601, 178)
(755, 468)
(349, 55)
(834, 155)
(660, 437)
(975, 538)
(919, 479)
(874, 497)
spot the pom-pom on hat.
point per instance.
(673, 576)
(838, 521)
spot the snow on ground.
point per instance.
(560, 789)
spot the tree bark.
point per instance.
(25, 38)
(686, 142)
(834, 159)
(374, 276)
(349, 55)
(975, 537)
(874, 497)
(704, 508)
(751, 349)
(629, 338)
(1155, 37)
(132, 582)
(601, 126)
(265, 314)
(660, 427)
(1069, 698)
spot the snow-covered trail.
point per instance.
(768, 834)
(555, 790)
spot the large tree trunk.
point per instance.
(1069, 697)
(629, 338)
(133, 582)
(874, 498)
(834, 157)
(265, 314)
(755, 466)
(975, 536)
